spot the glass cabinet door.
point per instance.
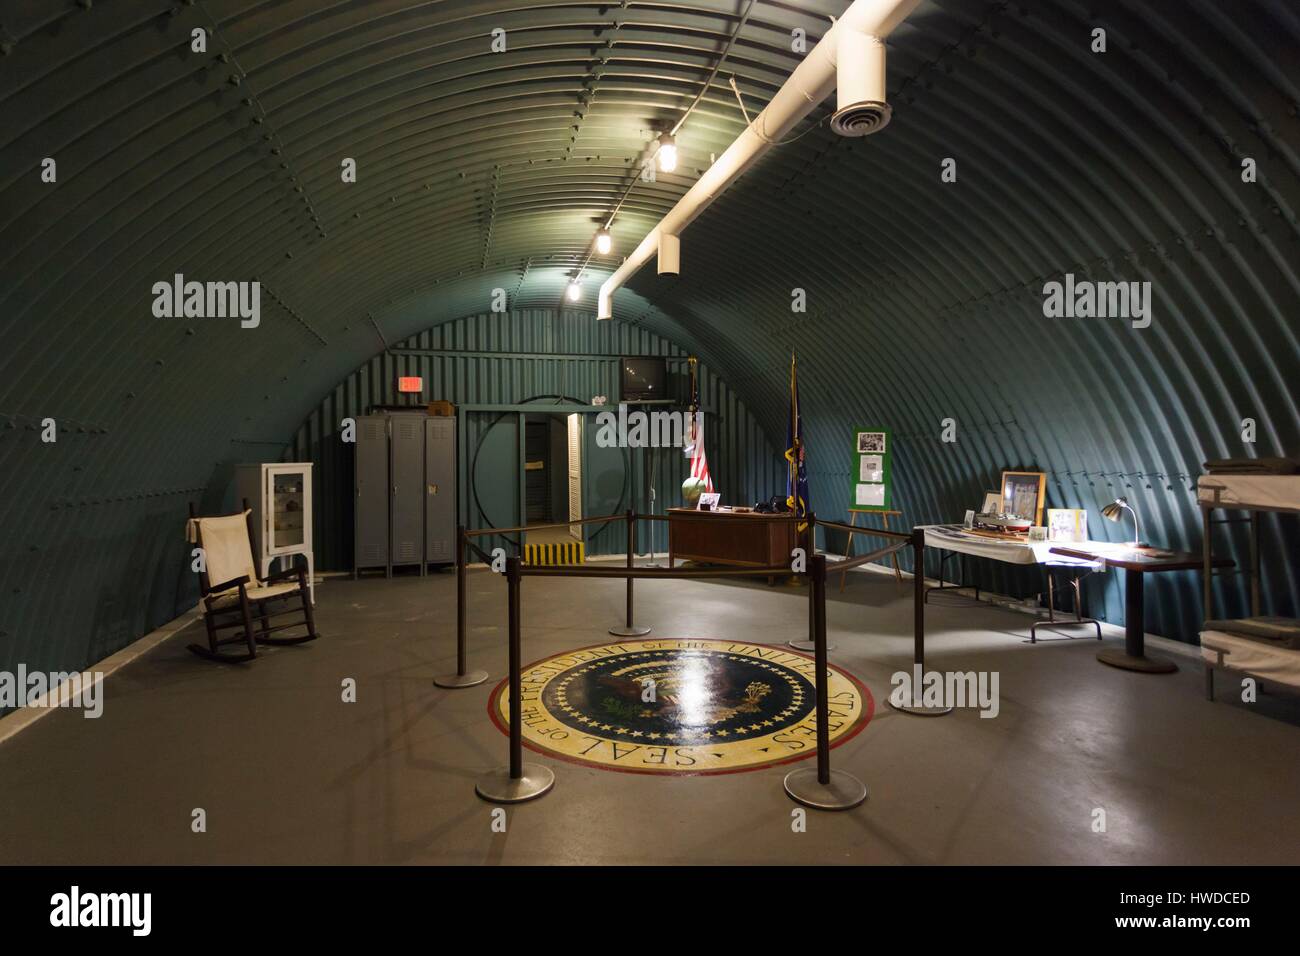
(287, 509)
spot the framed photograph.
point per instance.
(1038, 533)
(992, 503)
(872, 443)
(708, 501)
(1022, 494)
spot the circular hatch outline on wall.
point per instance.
(766, 710)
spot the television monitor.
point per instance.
(643, 379)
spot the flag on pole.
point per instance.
(695, 440)
(699, 460)
(796, 481)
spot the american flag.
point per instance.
(699, 461)
(695, 440)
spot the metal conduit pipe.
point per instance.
(851, 56)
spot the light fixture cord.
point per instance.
(744, 18)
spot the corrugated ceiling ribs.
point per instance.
(481, 170)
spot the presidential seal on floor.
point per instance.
(680, 706)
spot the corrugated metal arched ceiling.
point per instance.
(481, 170)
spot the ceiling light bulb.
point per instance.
(574, 291)
(667, 152)
(604, 242)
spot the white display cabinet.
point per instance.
(280, 496)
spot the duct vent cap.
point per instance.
(862, 119)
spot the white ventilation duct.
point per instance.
(670, 254)
(860, 107)
(856, 40)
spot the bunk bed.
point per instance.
(1264, 647)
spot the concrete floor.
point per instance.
(288, 773)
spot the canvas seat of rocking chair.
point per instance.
(229, 556)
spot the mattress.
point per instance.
(1259, 660)
(1271, 492)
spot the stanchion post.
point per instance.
(918, 597)
(918, 635)
(630, 629)
(463, 677)
(823, 700)
(823, 788)
(521, 781)
(809, 544)
(516, 679)
(631, 553)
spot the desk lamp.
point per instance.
(1115, 510)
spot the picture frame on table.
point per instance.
(1067, 524)
(1023, 493)
(992, 503)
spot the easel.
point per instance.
(848, 547)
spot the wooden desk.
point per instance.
(1137, 562)
(743, 538)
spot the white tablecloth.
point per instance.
(953, 537)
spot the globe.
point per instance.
(692, 488)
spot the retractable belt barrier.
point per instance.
(820, 788)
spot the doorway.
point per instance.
(523, 467)
(546, 469)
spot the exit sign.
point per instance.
(407, 384)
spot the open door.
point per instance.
(575, 474)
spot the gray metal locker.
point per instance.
(406, 472)
(370, 517)
(439, 490)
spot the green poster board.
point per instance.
(872, 478)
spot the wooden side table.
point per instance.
(1137, 563)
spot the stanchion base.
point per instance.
(629, 631)
(499, 787)
(807, 646)
(471, 679)
(1145, 665)
(844, 792)
(919, 710)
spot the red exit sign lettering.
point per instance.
(407, 384)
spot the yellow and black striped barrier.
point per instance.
(555, 552)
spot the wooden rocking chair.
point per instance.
(241, 593)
